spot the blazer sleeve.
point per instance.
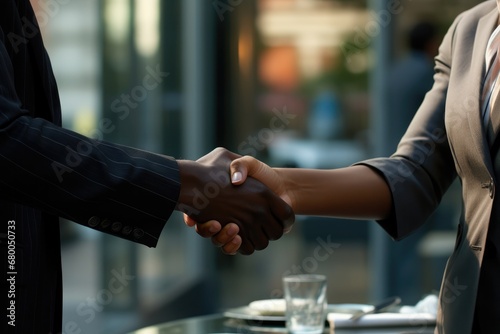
(111, 188)
(422, 168)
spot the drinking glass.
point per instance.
(305, 297)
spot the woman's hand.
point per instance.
(227, 238)
(246, 166)
(207, 194)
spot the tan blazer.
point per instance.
(447, 139)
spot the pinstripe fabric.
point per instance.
(50, 172)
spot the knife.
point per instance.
(386, 303)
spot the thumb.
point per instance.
(241, 167)
(249, 166)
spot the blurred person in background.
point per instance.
(454, 134)
(410, 78)
(50, 172)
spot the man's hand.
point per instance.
(207, 194)
(226, 238)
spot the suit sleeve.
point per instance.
(111, 188)
(422, 168)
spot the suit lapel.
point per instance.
(495, 119)
(34, 80)
(485, 27)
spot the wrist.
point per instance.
(188, 179)
(288, 187)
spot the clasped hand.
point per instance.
(240, 216)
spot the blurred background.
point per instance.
(297, 83)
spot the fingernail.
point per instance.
(236, 177)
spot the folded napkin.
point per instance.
(423, 314)
(269, 307)
(342, 320)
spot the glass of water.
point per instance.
(306, 303)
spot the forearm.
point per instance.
(356, 192)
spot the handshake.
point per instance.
(238, 214)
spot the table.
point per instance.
(218, 324)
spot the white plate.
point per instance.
(274, 310)
(246, 313)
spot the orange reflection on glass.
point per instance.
(279, 68)
(245, 50)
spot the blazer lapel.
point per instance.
(495, 116)
(485, 27)
(36, 84)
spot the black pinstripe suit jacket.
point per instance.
(49, 172)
